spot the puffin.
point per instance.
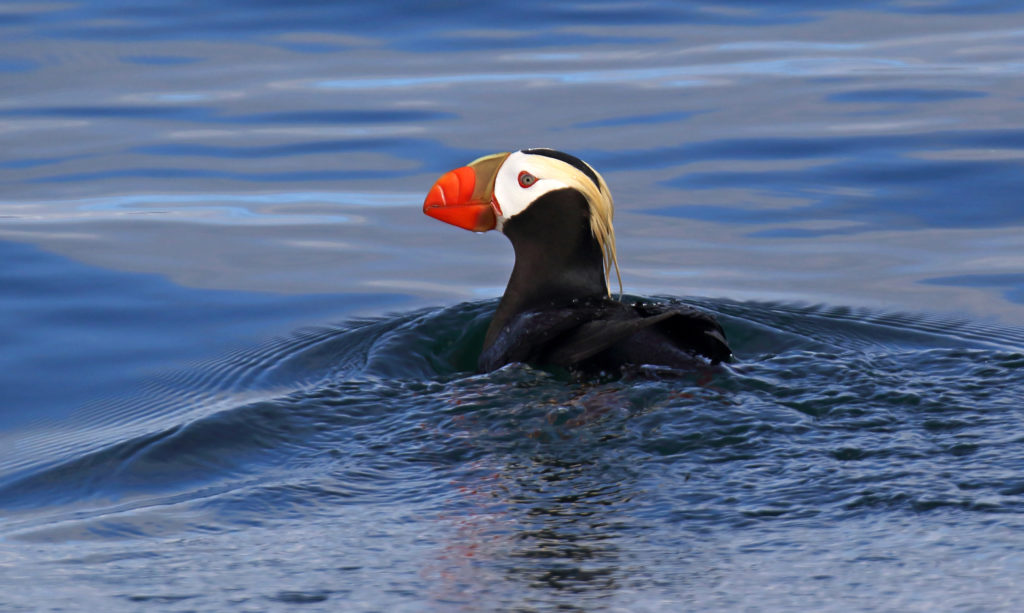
(558, 310)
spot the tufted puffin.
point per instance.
(557, 310)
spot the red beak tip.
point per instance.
(451, 200)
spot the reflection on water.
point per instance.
(199, 203)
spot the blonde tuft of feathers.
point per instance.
(602, 209)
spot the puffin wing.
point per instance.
(568, 336)
(691, 330)
(527, 337)
(594, 337)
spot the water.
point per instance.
(238, 360)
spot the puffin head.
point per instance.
(493, 190)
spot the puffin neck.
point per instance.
(558, 260)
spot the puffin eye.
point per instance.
(526, 179)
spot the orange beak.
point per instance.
(464, 197)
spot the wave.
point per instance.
(373, 408)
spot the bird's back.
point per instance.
(604, 335)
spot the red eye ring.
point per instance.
(526, 179)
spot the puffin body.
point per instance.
(557, 309)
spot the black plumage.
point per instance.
(602, 334)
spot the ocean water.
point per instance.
(237, 366)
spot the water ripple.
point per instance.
(395, 393)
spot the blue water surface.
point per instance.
(238, 366)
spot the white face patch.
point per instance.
(522, 179)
